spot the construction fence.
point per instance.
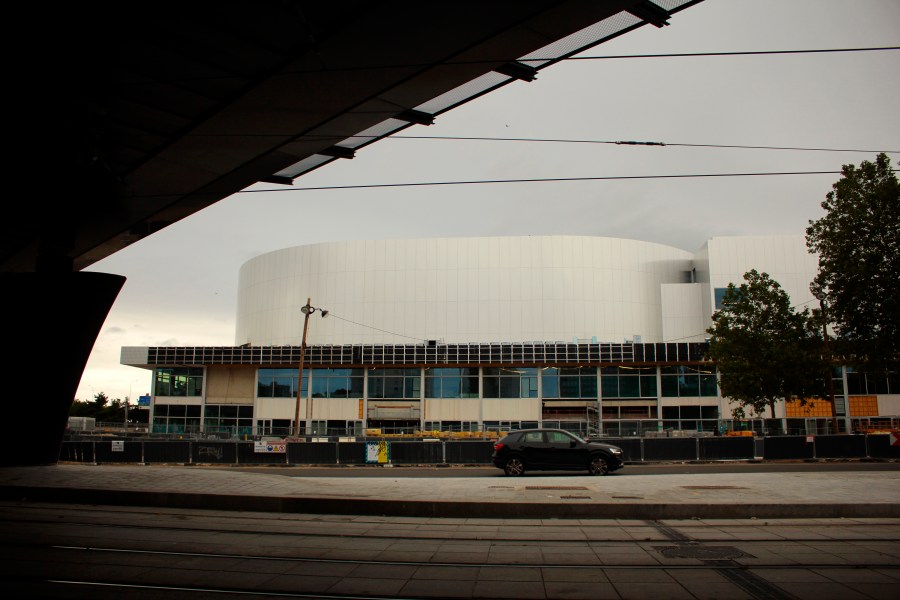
(353, 451)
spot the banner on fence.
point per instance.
(378, 452)
(270, 447)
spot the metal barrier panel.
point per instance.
(670, 449)
(312, 453)
(840, 446)
(214, 452)
(469, 453)
(82, 452)
(727, 448)
(630, 446)
(417, 453)
(167, 452)
(880, 446)
(793, 446)
(118, 451)
(351, 453)
(247, 455)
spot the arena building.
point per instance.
(592, 334)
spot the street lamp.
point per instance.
(306, 310)
(127, 398)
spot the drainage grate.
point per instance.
(575, 497)
(556, 487)
(701, 552)
(628, 497)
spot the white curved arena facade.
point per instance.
(497, 289)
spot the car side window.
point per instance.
(533, 437)
(558, 437)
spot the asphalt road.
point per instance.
(652, 469)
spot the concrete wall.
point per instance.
(230, 385)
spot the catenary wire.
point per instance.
(546, 59)
(531, 180)
(534, 140)
(624, 143)
(331, 314)
(487, 181)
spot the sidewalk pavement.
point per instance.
(676, 496)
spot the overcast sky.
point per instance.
(181, 284)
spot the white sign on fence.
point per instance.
(273, 447)
(118, 446)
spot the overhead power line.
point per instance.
(534, 180)
(736, 53)
(460, 138)
(625, 143)
(544, 59)
(538, 59)
(331, 314)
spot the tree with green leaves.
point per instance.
(100, 400)
(858, 243)
(764, 350)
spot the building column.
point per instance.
(50, 325)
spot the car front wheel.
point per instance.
(598, 466)
(514, 466)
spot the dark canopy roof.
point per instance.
(157, 110)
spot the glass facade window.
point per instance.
(569, 382)
(451, 383)
(688, 381)
(628, 382)
(279, 383)
(509, 382)
(233, 419)
(179, 381)
(176, 418)
(698, 418)
(394, 383)
(337, 383)
(719, 294)
(862, 384)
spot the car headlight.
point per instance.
(616, 451)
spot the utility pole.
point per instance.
(307, 311)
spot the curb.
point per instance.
(444, 509)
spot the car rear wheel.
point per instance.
(514, 466)
(598, 466)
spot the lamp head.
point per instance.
(324, 313)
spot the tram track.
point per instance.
(80, 551)
(324, 526)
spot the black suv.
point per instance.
(554, 449)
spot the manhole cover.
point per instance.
(701, 552)
(628, 497)
(501, 487)
(555, 487)
(713, 487)
(575, 497)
